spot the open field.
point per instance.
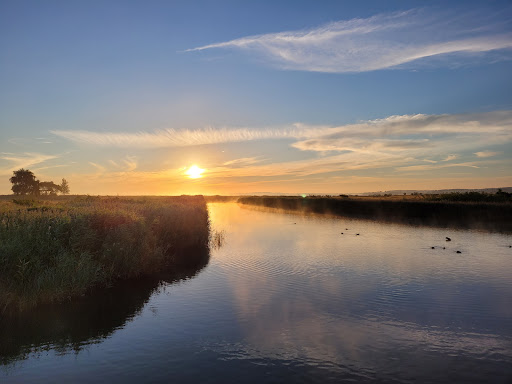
(52, 249)
(416, 210)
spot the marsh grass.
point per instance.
(478, 215)
(473, 197)
(217, 239)
(54, 250)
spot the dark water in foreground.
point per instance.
(289, 298)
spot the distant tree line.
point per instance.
(24, 182)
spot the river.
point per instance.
(289, 297)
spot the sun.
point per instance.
(194, 172)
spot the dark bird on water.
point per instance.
(433, 247)
(448, 239)
(357, 234)
(459, 252)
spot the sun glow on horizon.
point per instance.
(194, 172)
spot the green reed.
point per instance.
(51, 251)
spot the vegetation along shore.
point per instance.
(459, 210)
(52, 249)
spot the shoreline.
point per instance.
(494, 217)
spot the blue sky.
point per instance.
(303, 96)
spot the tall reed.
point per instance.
(52, 251)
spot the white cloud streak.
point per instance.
(99, 168)
(403, 143)
(393, 133)
(487, 154)
(418, 136)
(379, 42)
(344, 162)
(23, 160)
(436, 166)
(243, 162)
(182, 138)
(131, 163)
(128, 164)
(450, 158)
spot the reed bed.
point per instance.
(53, 250)
(477, 215)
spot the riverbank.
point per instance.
(95, 316)
(55, 249)
(468, 215)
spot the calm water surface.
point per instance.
(288, 297)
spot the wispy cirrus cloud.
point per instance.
(419, 134)
(300, 168)
(487, 153)
(126, 164)
(393, 133)
(23, 160)
(406, 142)
(436, 166)
(131, 163)
(100, 169)
(242, 162)
(450, 158)
(182, 138)
(380, 42)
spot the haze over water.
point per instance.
(289, 298)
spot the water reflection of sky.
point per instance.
(369, 300)
(288, 297)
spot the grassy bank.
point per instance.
(488, 216)
(52, 250)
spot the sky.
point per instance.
(237, 97)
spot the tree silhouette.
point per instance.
(24, 183)
(49, 188)
(64, 187)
